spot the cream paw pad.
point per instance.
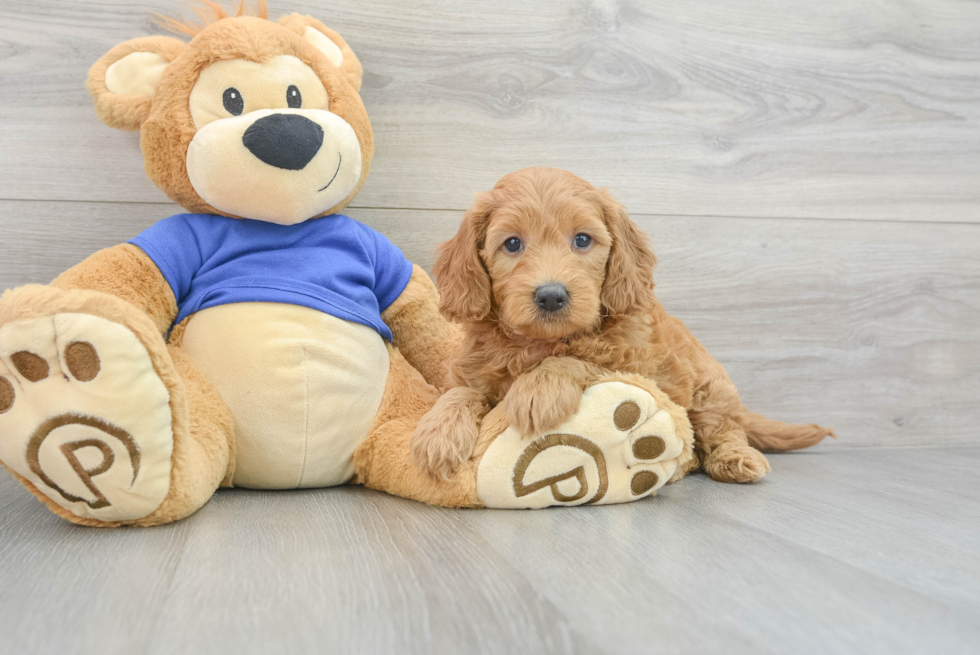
(621, 445)
(83, 415)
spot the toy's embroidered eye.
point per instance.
(513, 244)
(293, 97)
(582, 241)
(233, 101)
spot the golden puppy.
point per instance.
(553, 285)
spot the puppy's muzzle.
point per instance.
(551, 297)
(288, 141)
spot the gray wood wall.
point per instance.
(810, 172)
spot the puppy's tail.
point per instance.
(767, 434)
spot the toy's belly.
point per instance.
(303, 388)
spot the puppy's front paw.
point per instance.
(535, 405)
(443, 441)
(736, 463)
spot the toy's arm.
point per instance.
(126, 272)
(426, 339)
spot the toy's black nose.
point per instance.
(287, 141)
(551, 297)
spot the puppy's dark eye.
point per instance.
(233, 101)
(293, 97)
(513, 244)
(583, 241)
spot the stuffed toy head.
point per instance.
(251, 119)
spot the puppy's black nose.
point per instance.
(287, 141)
(551, 297)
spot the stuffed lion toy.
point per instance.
(264, 339)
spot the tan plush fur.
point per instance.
(425, 339)
(122, 284)
(203, 429)
(384, 462)
(201, 441)
(536, 365)
(120, 111)
(126, 272)
(351, 67)
(166, 127)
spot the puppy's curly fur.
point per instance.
(538, 362)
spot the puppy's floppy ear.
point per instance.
(122, 82)
(328, 42)
(464, 284)
(629, 271)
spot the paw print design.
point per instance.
(84, 417)
(622, 445)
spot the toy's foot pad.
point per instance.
(84, 417)
(620, 446)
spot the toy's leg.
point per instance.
(383, 461)
(722, 443)
(626, 440)
(98, 418)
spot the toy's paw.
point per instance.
(736, 463)
(536, 404)
(84, 417)
(620, 446)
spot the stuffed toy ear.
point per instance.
(123, 81)
(629, 270)
(331, 44)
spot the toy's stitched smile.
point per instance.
(340, 158)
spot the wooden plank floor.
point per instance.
(810, 173)
(871, 551)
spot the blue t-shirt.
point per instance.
(333, 264)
